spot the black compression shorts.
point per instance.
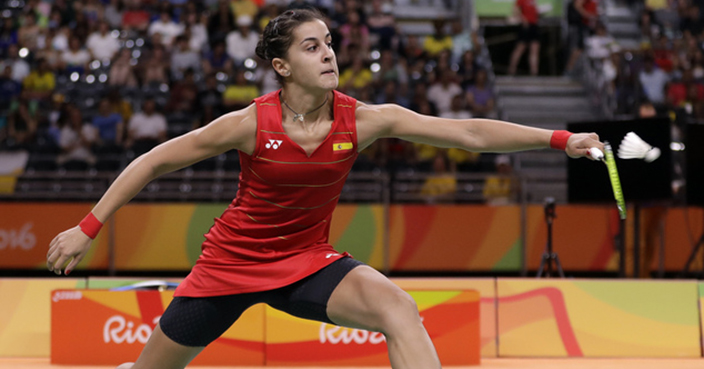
(197, 321)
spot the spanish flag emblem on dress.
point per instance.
(341, 146)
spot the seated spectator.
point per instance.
(210, 96)
(463, 160)
(93, 10)
(196, 32)
(690, 19)
(457, 109)
(391, 93)
(146, 129)
(61, 39)
(80, 25)
(57, 111)
(390, 69)
(678, 91)
(184, 94)
(20, 68)
(480, 97)
(424, 156)
(698, 65)
(242, 42)
(372, 157)
(221, 21)
(382, 23)
(8, 36)
(119, 105)
(248, 8)
(29, 32)
(693, 105)
(22, 124)
(365, 94)
(438, 41)
(601, 44)
(217, 60)
(76, 58)
(646, 109)
(102, 44)
(135, 19)
(411, 50)
(467, 69)
(442, 92)
(354, 32)
(400, 154)
(48, 52)
(356, 77)
(122, 71)
(207, 115)
(110, 129)
(240, 94)
(420, 101)
(648, 29)
(155, 67)
(165, 26)
(266, 13)
(9, 88)
(113, 13)
(266, 77)
(183, 58)
(501, 188)
(663, 54)
(653, 81)
(463, 40)
(75, 140)
(40, 83)
(441, 186)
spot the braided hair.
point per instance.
(278, 34)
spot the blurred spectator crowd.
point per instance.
(664, 74)
(92, 84)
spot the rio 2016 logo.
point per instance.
(334, 335)
(22, 239)
(117, 329)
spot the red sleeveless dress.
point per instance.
(275, 232)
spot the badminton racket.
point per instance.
(607, 157)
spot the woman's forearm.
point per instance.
(499, 136)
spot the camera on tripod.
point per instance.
(549, 255)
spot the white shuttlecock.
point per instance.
(633, 147)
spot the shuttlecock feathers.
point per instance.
(633, 147)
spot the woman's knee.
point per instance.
(398, 311)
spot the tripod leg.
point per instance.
(693, 255)
(559, 266)
(542, 265)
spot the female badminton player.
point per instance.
(270, 245)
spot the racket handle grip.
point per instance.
(595, 154)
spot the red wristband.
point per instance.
(559, 139)
(90, 225)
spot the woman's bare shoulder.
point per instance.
(237, 128)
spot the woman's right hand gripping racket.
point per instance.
(608, 158)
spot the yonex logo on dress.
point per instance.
(273, 144)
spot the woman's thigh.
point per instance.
(309, 297)
(366, 299)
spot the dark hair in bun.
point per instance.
(278, 34)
